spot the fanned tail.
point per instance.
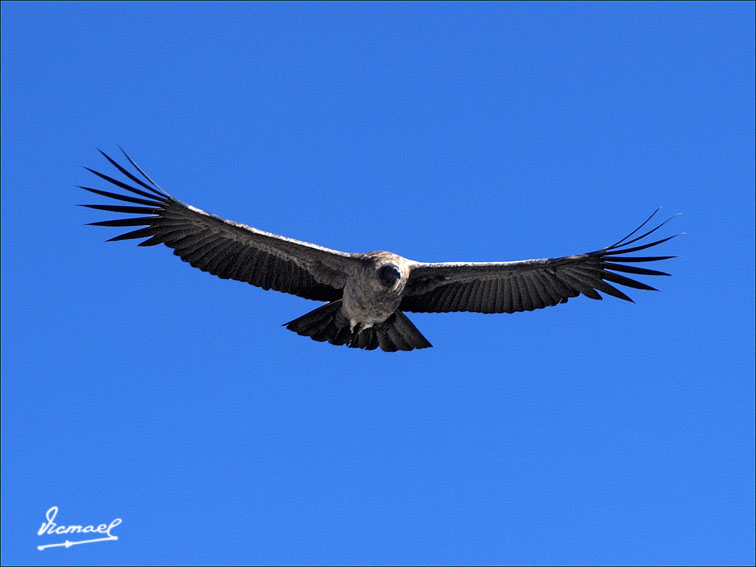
(327, 323)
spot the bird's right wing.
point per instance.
(506, 287)
(222, 247)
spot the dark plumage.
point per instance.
(366, 293)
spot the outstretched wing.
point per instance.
(506, 287)
(218, 246)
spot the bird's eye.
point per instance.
(388, 275)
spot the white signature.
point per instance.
(51, 528)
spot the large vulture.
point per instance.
(366, 294)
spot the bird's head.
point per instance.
(388, 274)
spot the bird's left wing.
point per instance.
(222, 247)
(506, 287)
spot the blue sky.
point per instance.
(136, 387)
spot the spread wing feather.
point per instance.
(221, 247)
(507, 287)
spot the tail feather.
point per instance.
(398, 333)
(323, 324)
(327, 323)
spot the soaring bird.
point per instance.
(366, 294)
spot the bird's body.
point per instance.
(367, 298)
(366, 293)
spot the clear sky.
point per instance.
(139, 388)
